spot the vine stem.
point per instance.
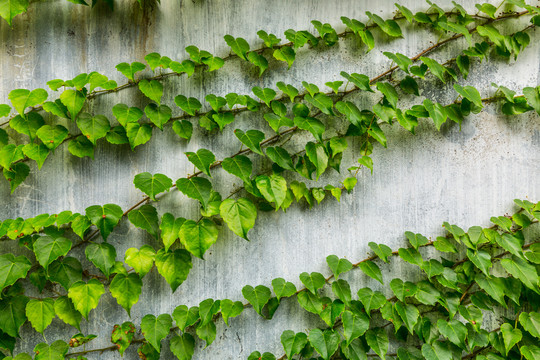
(232, 55)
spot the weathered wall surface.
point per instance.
(463, 177)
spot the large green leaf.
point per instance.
(28, 124)
(202, 159)
(281, 157)
(190, 106)
(13, 314)
(293, 343)
(230, 309)
(174, 266)
(533, 97)
(48, 249)
(73, 100)
(125, 114)
(252, 139)
(126, 289)
(197, 237)
(159, 115)
(402, 289)
(102, 255)
(326, 343)
(240, 166)
(354, 325)
(318, 156)
(522, 270)
(93, 127)
(152, 185)
(153, 89)
(141, 260)
(185, 317)
(207, 332)
(129, 70)
(283, 288)
(52, 136)
(85, 296)
(170, 228)
(314, 126)
(156, 329)
(12, 269)
(313, 281)
(371, 299)
(409, 314)
(436, 112)
(183, 346)
(258, 296)
(66, 271)
(454, 331)
(510, 336)
(23, 98)
(337, 265)
(196, 188)
(11, 8)
(240, 215)
(265, 94)
(372, 270)
(531, 323)
(40, 313)
(273, 188)
(378, 341)
(146, 218)
(64, 308)
(105, 217)
(138, 134)
(56, 351)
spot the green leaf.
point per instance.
(40, 313)
(187, 66)
(416, 240)
(190, 106)
(93, 128)
(10, 154)
(64, 308)
(381, 250)
(153, 89)
(454, 331)
(378, 341)
(409, 314)
(321, 102)
(286, 54)
(126, 289)
(196, 188)
(146, 218)
(66, 271)
(354, 325)
(105, 217)
(207, 332)
(436, 352)
(23, 98)
(141, 260)
(238, 45)
(169, 229)
(125, 114)
(310, 302)
(266, 94)
(530, 352)
(360, 80)
(337, 265)
(12, 269)
(436, 112)
(174, 266)
(11, 8)
(52, 136)
(372, 270)
(85, 296)
(80, 147)
(240, 215)
(402, 289)
(436, 69)
(293, 343)
(197, 237)
(410, 86)
(288, 90)
(470, 93)
(152, 185)
(240, 166)
(223, 119)
(522, 270)
(283, 288)
(317, 155)
(313, 281)
(533, 97)
(185, 317)
(28, 124)
(389, 92)
(12, 314)
(230, 309)
(48, 249)
(102, 255)
(273, 188)
(258, 296)
(531, 323)
(481, 259)
(73, 100)
(183, 346)
(202, 159)
(494, 287)
(159, 115)
(371, 300)
(183, 128)
(129, 70)
(401, 60)
(56, 351)
(326, 343)
(156, 329)
(314, 126)
(334, 85)
(510, 336)
(488, 9)
(426, 293)
(281, 157)
(252, 139)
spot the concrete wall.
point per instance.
(463, 177)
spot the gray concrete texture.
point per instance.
(461, 176)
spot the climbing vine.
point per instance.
(438, 317)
